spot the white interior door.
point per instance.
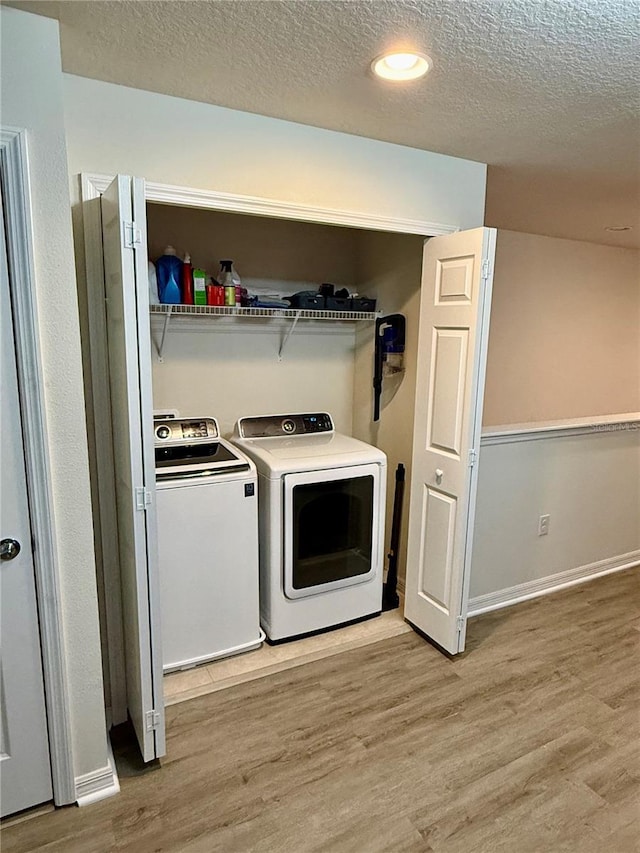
(129, 344)
(25, 772)
(457, 275)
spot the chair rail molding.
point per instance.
(511, 433)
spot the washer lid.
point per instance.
(198, 459)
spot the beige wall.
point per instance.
(32, 99)
(390, 267)
(576, 206)
(230, 368)
(279, 254)
(564, 339)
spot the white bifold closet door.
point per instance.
(457, 275)
(129, 344)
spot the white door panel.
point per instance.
(25, 771)
(126, 287)
(454, 316)
(438, 524)
(447, 382)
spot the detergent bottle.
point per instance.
(169, 274)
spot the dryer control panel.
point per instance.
(272, 426)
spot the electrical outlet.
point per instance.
(543, 525)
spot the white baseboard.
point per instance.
(98, 784)
(551, 583)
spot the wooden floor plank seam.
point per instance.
(529, 741)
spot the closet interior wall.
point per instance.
(227, 367)
(390, 269)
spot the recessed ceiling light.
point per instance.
(401, 66)
(618, 228)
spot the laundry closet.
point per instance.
(265, 362)
(228, 365)
(233, 366)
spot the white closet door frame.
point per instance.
(15, 173)
(92, 186)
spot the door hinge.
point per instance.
(132, 235)
(152, 719)
(143, 498)
(486, 268)
(472, 457)
(460, 624)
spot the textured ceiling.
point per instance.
(545, 91)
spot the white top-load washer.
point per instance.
(206, 497)
(321, 505)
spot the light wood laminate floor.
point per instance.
(267, 660)
(528, 742)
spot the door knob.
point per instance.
(439, 475)
(9, 548)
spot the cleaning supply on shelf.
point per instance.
(218, 294)
(187, 280)
(169, 274)
(171, 292)
(153, 285)
(199, 287)
(226, 280)
(215, 294)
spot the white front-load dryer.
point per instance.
(321, 504)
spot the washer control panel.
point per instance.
(184, 430)
(270, 426)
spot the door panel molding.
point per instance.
(454, 281)
(14, 162)
(449, 362)
(439, 523)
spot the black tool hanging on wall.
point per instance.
(389, 353)
(390, 599)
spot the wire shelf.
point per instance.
(257, 313)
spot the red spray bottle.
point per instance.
(187, 281)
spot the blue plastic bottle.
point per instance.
(169, 273)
